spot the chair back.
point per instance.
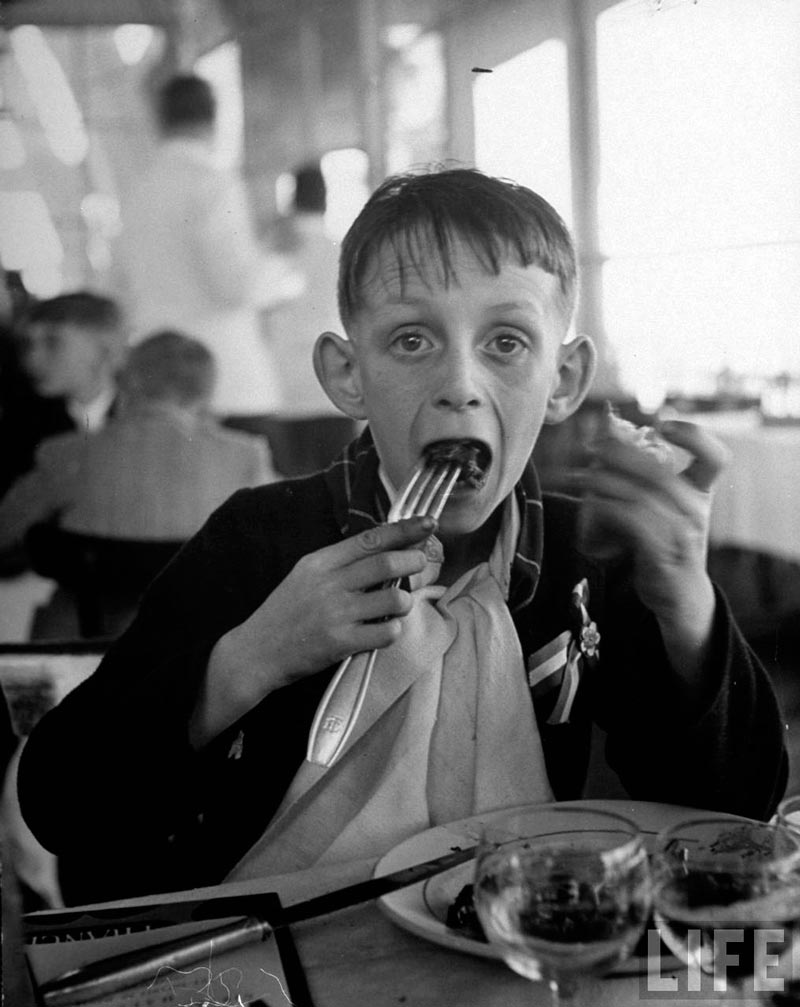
(105, 576)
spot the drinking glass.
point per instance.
(789, 813)
(562, 892)
(726, 895)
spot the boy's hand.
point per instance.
(333, 603)
(661, 519)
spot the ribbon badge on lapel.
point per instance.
(560, 663)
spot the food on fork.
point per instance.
(472, 456)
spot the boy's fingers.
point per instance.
(710, 456)
(397, 535)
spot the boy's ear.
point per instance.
(336, 367)
(577, 362)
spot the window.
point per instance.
(345, 172)
(72, 105)
(699, 205)
(222, 69)
(521, 123)
(415, 87)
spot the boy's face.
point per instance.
(62, 359)
(478, 358)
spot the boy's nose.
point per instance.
(458, 389)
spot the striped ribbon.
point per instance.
(560, 663)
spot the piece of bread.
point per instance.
(598, 538)
(645, 438)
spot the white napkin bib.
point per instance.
(447, 730)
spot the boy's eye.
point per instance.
(507, 343)
(411, 341)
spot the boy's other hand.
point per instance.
(660, 518)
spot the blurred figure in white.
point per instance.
(187, 257)
(311, 431)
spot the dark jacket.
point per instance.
(25, 422)
(109, 782)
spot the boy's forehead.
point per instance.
(397, 269)
(398, 275)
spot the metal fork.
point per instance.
(425, 493)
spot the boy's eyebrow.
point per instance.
(523, 305)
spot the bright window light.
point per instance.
(27, 234)
(699, 203)
(51, 94)
(132, 42)
(284, 193)
(398, 36)
(415, 131)
(345, 172)
(102, 213)
(43, 279)
(522, 123)
(222, 69)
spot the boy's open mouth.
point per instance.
(473, 456)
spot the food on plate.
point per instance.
(462, 917)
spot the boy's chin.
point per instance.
(464, 515)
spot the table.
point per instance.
(359, 957)
(757, 497)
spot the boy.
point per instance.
(187, 746)
(70, 349)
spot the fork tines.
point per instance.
(426, 491)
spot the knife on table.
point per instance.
(111, 975)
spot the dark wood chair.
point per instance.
(104, 577)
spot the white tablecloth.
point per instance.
(757, 498)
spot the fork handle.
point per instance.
(338, 712)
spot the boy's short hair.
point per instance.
(310, 194)
(82, 307)
(170, 367)
(421, 213)
(185, 101)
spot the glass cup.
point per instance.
(788, 813)
(563, 893)
(726, 896)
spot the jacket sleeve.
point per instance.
(730, 756)
(111, 767)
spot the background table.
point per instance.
(757, 497)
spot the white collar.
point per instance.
(91, 416)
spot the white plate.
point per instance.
(421, 909)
